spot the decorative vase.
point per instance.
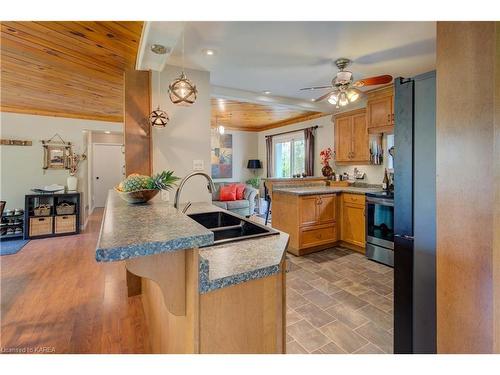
(327, 171)
(72, 182)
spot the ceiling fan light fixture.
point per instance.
(343, 101)
(333, 98)
(352, 95)
(344, 76)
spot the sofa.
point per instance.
(243, 207)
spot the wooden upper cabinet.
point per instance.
(360, 139)
(351, 137)
(343, 138)
(380, 111)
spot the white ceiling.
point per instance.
(282, 57)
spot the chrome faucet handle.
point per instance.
(186, 207)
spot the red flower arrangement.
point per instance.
(326, 156)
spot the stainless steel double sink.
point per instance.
(228, 227)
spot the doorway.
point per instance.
(107, 171)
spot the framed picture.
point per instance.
(222, 156)
(56, 155)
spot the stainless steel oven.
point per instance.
(380, 227)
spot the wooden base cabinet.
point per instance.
(311, 220)
(353, 220)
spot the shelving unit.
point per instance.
(54, 224)
(12, 221)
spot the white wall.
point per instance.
(21, 166)
(187, 136)
(324, 139)
(245, 146)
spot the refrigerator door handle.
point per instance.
(404, 236)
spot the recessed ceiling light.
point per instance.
(159, 49)
(208, 51)
(267, 92)
(312, 100)
(107, 132)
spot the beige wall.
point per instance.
(187, 136)
(245, 146)
(21, 166)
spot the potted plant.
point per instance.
(326, 156)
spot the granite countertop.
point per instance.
(130, 231)
(163, 228)
(313, 190)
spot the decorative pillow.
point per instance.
(240, 189)
(228, 193)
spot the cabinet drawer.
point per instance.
(315, 236)
(40, 226)
(354, 198)
(65, 224)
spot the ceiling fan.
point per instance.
(343, 90)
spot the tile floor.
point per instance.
(338, 302)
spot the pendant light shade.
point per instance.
(158, 118)
(182, 91)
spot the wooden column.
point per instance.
(468, 166)
(137, 106)
(138, 153)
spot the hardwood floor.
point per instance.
(56, 298)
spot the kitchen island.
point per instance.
(319, 217)
(198, 297)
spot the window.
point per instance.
(289, 155)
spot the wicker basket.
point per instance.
(42, 210)
(65, 209)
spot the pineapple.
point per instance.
(134, 182)
(164, 180)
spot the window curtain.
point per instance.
(309, 151)
(269, 155)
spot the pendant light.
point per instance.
(158, 118)
(220, 128)
(182, 91)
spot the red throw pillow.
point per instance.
(228, 193)
(240, 189)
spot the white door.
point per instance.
(108, 170)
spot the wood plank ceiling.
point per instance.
(67, 69)
(247, 116)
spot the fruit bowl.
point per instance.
(139, 196)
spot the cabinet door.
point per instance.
(308, 210)
(380, 112)
(343, 138)
(353, 224)
(326, 209)
(360, 139)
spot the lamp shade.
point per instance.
(254, 164)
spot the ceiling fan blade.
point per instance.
(370, 81)
(316, 88)
(323, 97)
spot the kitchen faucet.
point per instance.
(210, 187)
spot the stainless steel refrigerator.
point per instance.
(415, 214)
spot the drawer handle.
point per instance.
(41, 219)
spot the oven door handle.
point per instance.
(382, 201)
(404, 236)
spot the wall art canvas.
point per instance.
(222, 155)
